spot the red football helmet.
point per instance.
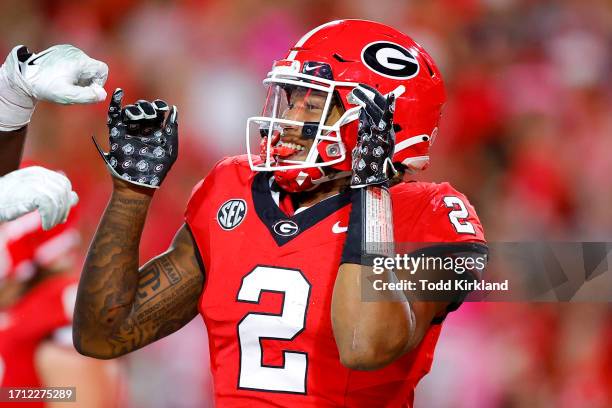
(300, 132)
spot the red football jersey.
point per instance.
(31, 320)
(269, 282)
(45, 308)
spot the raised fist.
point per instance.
(143, 142)
(372, 155)
(61, 74)
(36, 189)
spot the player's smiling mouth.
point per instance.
(294, 150)
(294, 146)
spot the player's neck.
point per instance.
(323, 191)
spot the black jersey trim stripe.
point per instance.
(270, 214)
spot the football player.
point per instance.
(61, 74)
(37, 293)
(277, 248)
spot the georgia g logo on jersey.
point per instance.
(285, 228)
(231, 213)
(390, 60)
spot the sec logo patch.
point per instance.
(231, 214)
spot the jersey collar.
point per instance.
(282, 227)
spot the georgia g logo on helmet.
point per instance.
(390, 60)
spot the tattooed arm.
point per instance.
(119, 307)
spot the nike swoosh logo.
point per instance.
(337, 229)
(31, 62)
(311, 68)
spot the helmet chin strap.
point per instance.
(297, 180)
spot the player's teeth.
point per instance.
(292, 146)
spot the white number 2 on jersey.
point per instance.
(254, 327)
(458, 217)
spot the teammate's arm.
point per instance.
(61, 74)
(120, 307)
(11, 149)
(16, 108)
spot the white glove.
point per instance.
(62, 74)
(36, 188)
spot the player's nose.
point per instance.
(295, 113)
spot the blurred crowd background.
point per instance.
(526, 135)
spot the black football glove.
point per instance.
(142, 147)
(371, 164)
